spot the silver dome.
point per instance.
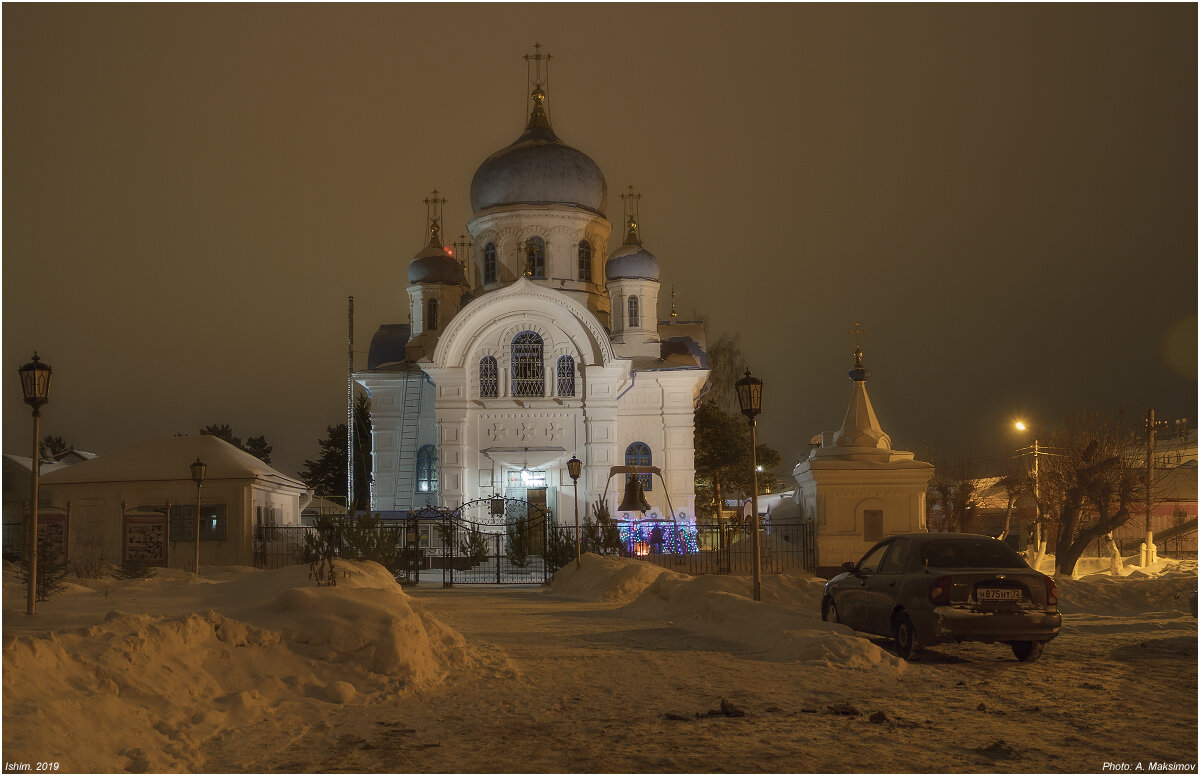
(631, 261)
(434, 265)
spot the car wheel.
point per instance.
(830, 612)
(905, 637)
(1028, 650)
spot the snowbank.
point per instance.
(144, 691)
(785, 625)
(605, 578)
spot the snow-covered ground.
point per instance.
(619, 666)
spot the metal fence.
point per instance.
(531, 550)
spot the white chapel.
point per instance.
(539, 345)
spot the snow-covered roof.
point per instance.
(23, 463)
(169, 458)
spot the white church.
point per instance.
(538, 346)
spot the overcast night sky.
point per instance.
(1003, 195)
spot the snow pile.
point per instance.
(605, 578)
(785, 625)
(1135, 593)
(142, 691)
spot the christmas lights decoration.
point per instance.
(677, 539)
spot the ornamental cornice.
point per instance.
(532, 302)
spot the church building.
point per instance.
(537, 346)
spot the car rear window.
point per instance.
(971, 554)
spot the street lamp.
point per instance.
(35, 385)
(1037, 502)
(575, 468)
(198, 469)
(749, 393)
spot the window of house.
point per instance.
(535, 248)
(212, 523)
(638, 454)
(431, 315)
(566, 376)
(528, 374)
(427, 469)
(489, 263)
(634, 317)
(489, 382)
(585, 260)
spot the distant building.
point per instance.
(139, 504)
(539, 346)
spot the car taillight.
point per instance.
(1051, 592)
(940, 592)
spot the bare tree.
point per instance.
(952, 496)
(725, 366)
(1092, 482)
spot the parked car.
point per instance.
(930, 588)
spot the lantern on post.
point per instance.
(749, 393)
(35, 387)
(198, 470)
(574, 469)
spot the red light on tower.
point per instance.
(449, 251)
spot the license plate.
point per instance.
(998, 594)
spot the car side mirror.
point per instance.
(849, 567)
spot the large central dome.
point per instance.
(539, 169)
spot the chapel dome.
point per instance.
(539, 169)
(433, 264)
(631, 261)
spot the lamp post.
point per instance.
(1037, 501)
(198, 469)
(749, 393)
(574, 468)
(35, 385)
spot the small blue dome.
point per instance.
(631, 261)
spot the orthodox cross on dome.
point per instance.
(462, 251)
(858, 373)
(631, 199)
(538, 82)
(433, 217)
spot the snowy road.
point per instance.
(588, 690)
(615, 668)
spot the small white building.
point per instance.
(139, 504)
(856, 487)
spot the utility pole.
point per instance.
(350, 408)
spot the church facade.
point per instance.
(539, 345)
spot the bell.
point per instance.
(635, 499)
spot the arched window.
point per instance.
(489, 263)
(566, 376)
(427, 469)
(634, 317)
(535, 249)
(431, 315)
(528, 374)
(638, 454)
(489, 382)
(585, 260)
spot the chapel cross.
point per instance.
(856, 331)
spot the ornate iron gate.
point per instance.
(498, 541)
